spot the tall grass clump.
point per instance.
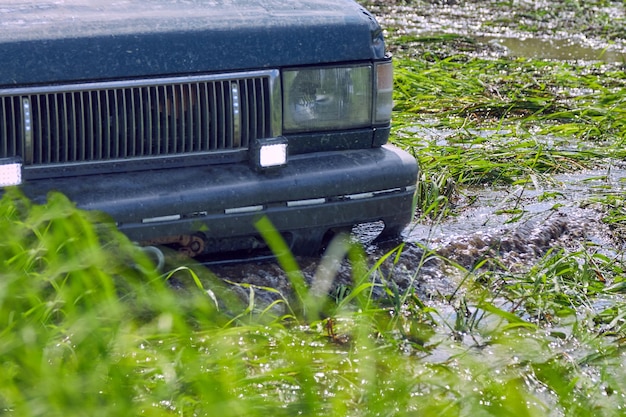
(81, 310)
(435, 195)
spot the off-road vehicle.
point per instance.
(186, 121)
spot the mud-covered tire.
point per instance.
(392, 231)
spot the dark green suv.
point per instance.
(186, 121)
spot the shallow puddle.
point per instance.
(557, 49)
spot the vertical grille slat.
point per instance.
(37, 130)
(205, 137)
(6, 118)
(97, 151)
(244, 112)
(172, 119)
(146, 124)
(156, 122)
(61, 131)
(122, 112)
(81, 126)
(164, 116)
(264, 116)
(115, 133)
(228, 114)
(213, 117)
(132, 128)
(197, 121)
(87, 122)
(99, 122)
(220, 111)
(48, 150)
(190, 120)
(107, 127)
(252, 104)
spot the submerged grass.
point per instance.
(502, 121)
(512, 97)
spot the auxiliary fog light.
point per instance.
(10, 172)
(270, 153)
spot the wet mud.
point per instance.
(433, 267)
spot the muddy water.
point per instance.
(558, 49)
(506, 228)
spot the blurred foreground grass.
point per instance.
(87, 330)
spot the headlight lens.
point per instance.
(327, 98)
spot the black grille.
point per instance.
(103, 122)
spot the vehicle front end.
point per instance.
(186, 124)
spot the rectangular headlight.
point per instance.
(327, 98)
(10, 172)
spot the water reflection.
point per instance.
(556, 49)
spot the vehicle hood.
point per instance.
(82, 40)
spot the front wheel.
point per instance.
(392, 231)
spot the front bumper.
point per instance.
(317, 191)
